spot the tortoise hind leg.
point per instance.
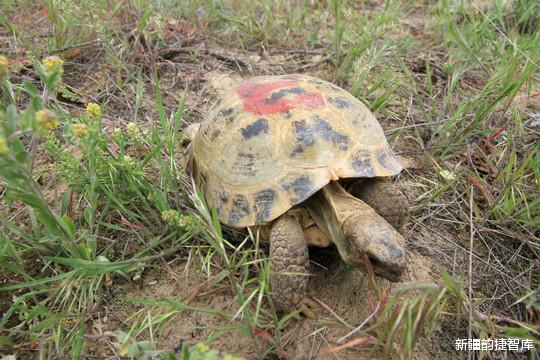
(384, 197)
(289, 265)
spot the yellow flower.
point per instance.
(52, 63)
(3, 65)
(93, 110)
(79, 130)
(170, 216)
(4, 149)
(128, 161)
(202, 348)
(46, 119)
(133, 129)
(117, 135)
(186, 222)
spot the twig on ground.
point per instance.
(359, 327)
(333, 313)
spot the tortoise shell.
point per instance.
(273, 141)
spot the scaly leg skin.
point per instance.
(289, 266)
(384, 197)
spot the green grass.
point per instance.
(84, 203)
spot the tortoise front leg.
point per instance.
(289, 265)
(384, 197)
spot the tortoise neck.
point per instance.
(330, 208)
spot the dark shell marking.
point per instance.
(340, 102)
(240, 209)
(224, 118)
(282, 93)
(263, 204)
(301, 187)
(222, 199)
(361, 164)
(383, 159)
(304, 136)
(325, 130)
(245, 163)
(255, 128)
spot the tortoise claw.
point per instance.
(308, 308)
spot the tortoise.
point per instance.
(307, 164)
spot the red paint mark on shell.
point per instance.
(257, 101)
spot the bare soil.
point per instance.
(342, 289)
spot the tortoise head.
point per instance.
(379, 241)
(358, 231)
